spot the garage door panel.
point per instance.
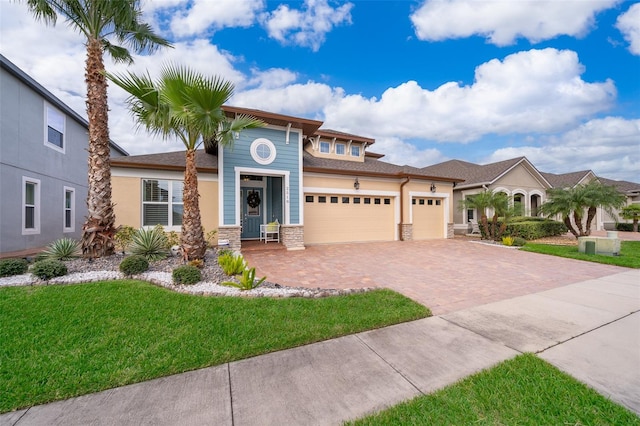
(348, 222)
(428, 218)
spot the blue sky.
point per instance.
(480, 81)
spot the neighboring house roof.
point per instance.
(481, 174)
(52, 99)
(626, 187)
(370, 167)
(567, 180)
(167, 161)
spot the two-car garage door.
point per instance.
(334, 218)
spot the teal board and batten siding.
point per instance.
(287, 158)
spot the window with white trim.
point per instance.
(341, 149)
(30, 206)
(55, 128)
(162, 202)
(355, 150)
(69, 209)
(324, 147)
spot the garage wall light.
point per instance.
(356, 184)
(433, 187)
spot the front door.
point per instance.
(252, 211)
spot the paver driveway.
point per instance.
(445, 275)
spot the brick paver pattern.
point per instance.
(444, 275)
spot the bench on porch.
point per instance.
(270, 232)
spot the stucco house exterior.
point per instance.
(320, 185)
(525, 185)
(43, 164)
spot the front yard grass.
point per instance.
(522, 391)
(629, 253)
(63, 341)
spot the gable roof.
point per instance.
(175, 160)
(12, 69)
(308, 126)
(629, 188)
(567, 180)
(481, 174)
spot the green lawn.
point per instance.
(629, 253)
(522, 391)
(62, 341)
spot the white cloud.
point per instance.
(272, 78)
(534, 91)
(196, 17)
(398, 151)
(629, 25)
(609, 146)
(308, 26)
(502, 22)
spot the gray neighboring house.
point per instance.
(43, 164)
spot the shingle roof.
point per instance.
(370, 166)
(470, 172)
(167, 161)
(621, 185)
(566, 180)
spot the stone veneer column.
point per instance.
(231, 233)
(406, 230)
(450, 230)
(292, 236)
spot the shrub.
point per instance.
(49, 268)
(507, 241)
(135, 264)
(210, 236)
(534, 229)
(150, 243)
(62, 249)
(198, 263)
(224, 252)
(247, 281)
(9, 267)
(186, 274)
(625, 227)
(232, 265)
(173, 239)
(123, 237)
(519, 241)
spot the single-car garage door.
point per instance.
(428, 218)
(347, 218)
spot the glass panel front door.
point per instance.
(252, 211)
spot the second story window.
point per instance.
(355, 150)
(340, 148)
(55, 128)
(324, 147)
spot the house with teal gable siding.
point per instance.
(313, 185)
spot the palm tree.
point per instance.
(100, 22)
(185, 104)
(560, 201)
(632, 212)
(482, 201)
(604, 196)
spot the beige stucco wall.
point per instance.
(127, 195)
(518, 178)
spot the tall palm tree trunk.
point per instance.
(99, 228)
(577, 218)
(192, 238)
(591, 213)
(567, 222)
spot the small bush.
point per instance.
(135, 264)
(210, 237)
(232, 265)
(186, 274)
(198, 263)
(49, 268)
(625, 227)
(9, 267)
(225, 252)
(535, 228)
(124, 236)
(173, 239)
(62, 249)
(507, 241)
(150, 243)
(519, 241)
(247, 281)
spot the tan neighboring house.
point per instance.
(631, 190)
(320, 185)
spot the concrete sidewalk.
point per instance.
(589, 329)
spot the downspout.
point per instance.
(402, 205)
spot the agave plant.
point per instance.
(62, 249)
(232, 265)
(150, 243)
(247, 281)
